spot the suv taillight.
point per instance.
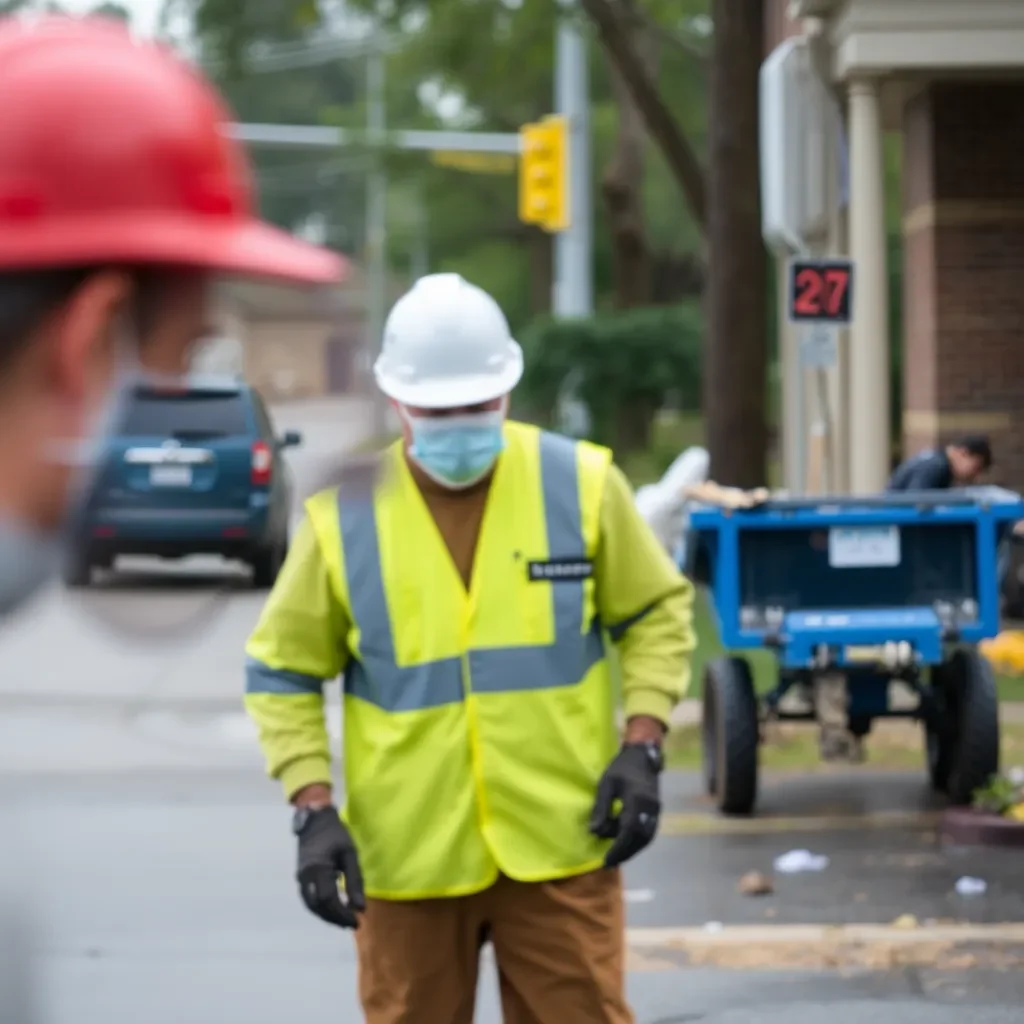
(262, 464)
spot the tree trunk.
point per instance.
(622, 187)
(616, 38)
(736, 346)
(676, 276)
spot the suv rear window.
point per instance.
(188, 413)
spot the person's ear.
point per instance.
(86, 334)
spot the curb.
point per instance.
(814, 935)
(871, 948)
(965, 827)
(676, 823)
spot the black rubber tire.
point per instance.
(104, 560)
(974, 757)
(1011, 584)
(939, 733)
(266, 564)
(731, 735)
(76, 571)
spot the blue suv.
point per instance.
(192, 470)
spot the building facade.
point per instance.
(293, 344)
(948, 77)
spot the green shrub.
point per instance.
(624, 367)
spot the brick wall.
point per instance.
(964, 268)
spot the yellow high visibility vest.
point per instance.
(476, 725)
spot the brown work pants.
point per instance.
(559, 947)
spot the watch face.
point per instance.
(300, 818)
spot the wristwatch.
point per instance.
(654, 755)
(304, 814)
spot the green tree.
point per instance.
(646, 247)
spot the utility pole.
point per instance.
(376, 213)
(573, 293)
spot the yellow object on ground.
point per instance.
(1005, 652)
(1016, 813)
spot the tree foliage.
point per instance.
(493, 63)
(623, 366)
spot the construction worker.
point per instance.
(121, 198)
(489, 795)
(959, 464)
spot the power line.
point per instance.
(292, 56)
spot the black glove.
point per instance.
(326, 851)
(632, 779)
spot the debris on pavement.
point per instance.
(754, 883)
(798, 861)
(968, 886)
(905, 922)
(638, 896)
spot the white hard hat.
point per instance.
(447, 344)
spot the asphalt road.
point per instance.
(156, 862)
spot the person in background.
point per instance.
(121, 200)
(959, 464)
(489, 791)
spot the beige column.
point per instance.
(870, 385)
(839, 379)
(792, 395)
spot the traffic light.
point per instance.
(543, 174)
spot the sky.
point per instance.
(144, 12)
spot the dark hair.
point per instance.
(28, 297)
(977, 445)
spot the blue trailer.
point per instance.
(867, 590)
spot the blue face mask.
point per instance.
(457, 451)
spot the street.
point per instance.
(159, 864)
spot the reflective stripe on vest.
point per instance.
(260, 678)
(376, 678)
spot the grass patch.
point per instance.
(1011, 688)
(892, 745)
(671, 434)
(762, 663)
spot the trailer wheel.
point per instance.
(939, 735)
(730, 735)
(973, 707)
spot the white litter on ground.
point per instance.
(639, 896)
(797, 861)
(968, 886)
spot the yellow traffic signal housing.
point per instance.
(543, 174)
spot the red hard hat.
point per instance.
(113, 150)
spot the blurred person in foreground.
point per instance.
(959, 464)
(489, 792)
(121, 200)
